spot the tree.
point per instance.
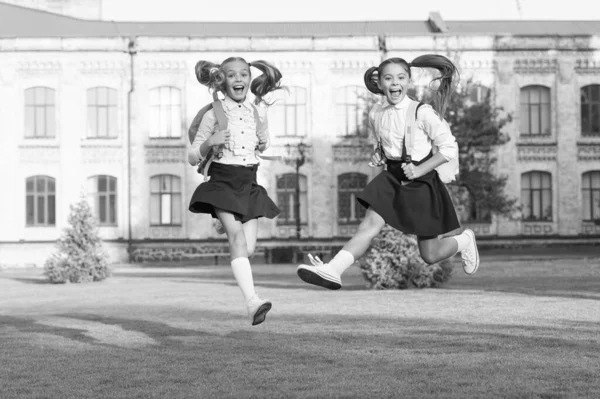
(80, 256)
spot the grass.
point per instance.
(519, 329)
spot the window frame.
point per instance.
(110, 109)
(542, 107)
(48, 197)
(531, 191)
(172, 128)
(356, 211)
(95, 198)
(591, 191)
(175, 198)
(589, 104)
(287, 205)
(33, 108)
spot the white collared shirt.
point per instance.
(242, 127)
(430, 130)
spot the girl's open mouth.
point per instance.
(396, 93)
(238, 89)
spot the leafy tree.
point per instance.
(80, 256)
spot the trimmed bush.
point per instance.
(393, 262)
(80, 256)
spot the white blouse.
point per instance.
(431, 130)
(242, 127)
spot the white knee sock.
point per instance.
(243, 275)
(341, 261)
(463, 241)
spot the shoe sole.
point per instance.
(476, 257)
(261, 313)
(314, 278)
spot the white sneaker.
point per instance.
(218, 226)
(470, 255)
(258, 309)
(319, 274)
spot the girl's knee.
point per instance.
(251, 249)
(429, 257)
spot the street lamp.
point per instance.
(296, 156)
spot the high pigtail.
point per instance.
(371, 80)
(210, 75)
(269, 81)
(447, 80)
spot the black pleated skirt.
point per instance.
(422, 207)
(233, 188)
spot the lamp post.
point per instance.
(297, 156)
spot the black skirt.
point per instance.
(233, 188)
(422, 207)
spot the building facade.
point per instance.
(101, 110)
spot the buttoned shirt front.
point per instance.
(242, 125)
(388, 121)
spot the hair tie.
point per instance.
(213, 70)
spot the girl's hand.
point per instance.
(412, 171)
(220, 137)
(261, 146)
(376, 160)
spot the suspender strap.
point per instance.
(410, 127)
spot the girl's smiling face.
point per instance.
(393, 81)
(237, 80)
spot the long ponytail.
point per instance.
(269, 81)
(447, 80)
(210, 75)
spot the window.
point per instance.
(288, 117)
(590, 193)
(590, 110)
(351, 111)
(102, 193)
(102, 112)
(478, 93)
(40, 112)
(40, 200)
(349, 185)
(165, 112)
(165, 200)
(535, 111)
(536, 196)
(286, 199)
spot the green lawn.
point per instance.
(517, 329)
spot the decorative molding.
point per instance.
(477, 64)
(165, 232)
(481, 229)
(529, 152)
(537, 229)
(352, 153)
(165, 153)
(588, 151)
(163, 65)
(347, 230)
(39, 67)
(101, 154)
(103, 67)
(284, 231)
(590, 228)
(537, 65)
(347, 64)
(39, 154)
(583, 66)
(293, 64)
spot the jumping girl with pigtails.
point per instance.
(421, 154)
(227, 138)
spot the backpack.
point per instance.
(446, 171)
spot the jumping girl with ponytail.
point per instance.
(232, 194)
(416, 144)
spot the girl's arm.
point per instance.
(264, 137)
(439, 132)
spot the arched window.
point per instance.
(288, 116)
(351, 104)
(40, 200)
(101, 112)
(102, 194)
(590, 110)
(590, 194)
(535, 111)
(349, 185)
(165, 112)
(286, 198)
(165, 200)
(40, 112)
(536, 196)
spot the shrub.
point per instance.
(393, 261)
(80, 256)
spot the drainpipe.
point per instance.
(131, 50)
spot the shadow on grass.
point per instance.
(32, 280)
